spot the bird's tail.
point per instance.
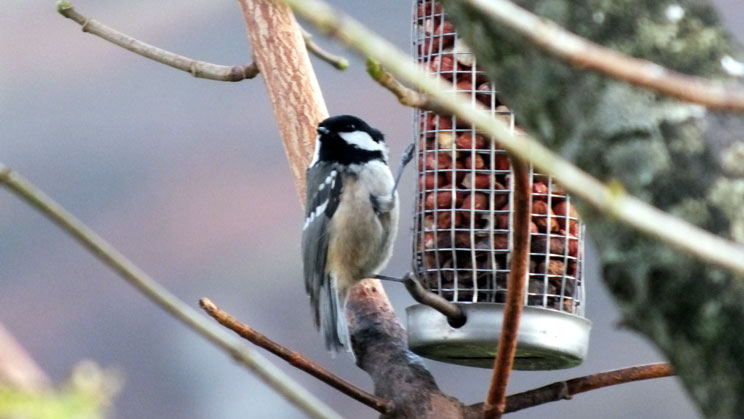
(333, 317)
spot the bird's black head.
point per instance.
(348, 140)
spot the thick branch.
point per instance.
(293, 89)
(196, 68)
(611, 199)
(564, 390)
(377, 338)
(585, 54)
(295, 359)
(379, 343)
(112, 258)
(495, 404)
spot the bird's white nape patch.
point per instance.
(362, 140)
(316, 152)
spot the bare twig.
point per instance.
(452, 311)
(406, 96)
(196, 68)
(564, 390)
(495, 403)
(585, 54)
(340, 63)
(295, 359)
(613, 201)
(111, 257)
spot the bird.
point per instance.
(351, 219)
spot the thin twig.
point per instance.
(295, 359)
(196, 68)
(406, 96)
(495, 403)
(111, 257)
(452, 311)
(340, 63)
(564, 390)
(582, 53)
(613, 201)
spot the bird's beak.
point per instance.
(323, 130)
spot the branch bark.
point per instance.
(565, 390)
(381, 349)
(280, 53)
(378, 339)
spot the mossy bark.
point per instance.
(677, 156)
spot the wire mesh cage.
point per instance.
(463, 227)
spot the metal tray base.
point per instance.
(547, 339)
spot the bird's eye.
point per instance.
(350, 128)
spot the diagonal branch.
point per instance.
(340, 63)
(112, 258)
(564, 390)
(295, 359)
(405, 95)
(582, 53)
(612, 200)
(196, 68)
(495, 404)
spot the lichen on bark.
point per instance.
(677, 156)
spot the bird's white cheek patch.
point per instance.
(362, 140)
(316, 152)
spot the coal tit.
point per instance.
(351, 219)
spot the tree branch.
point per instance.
(112, 258)
(379, 343)
(564, 390)
(295, 359)
(293, 89)
(406, 96)
(340, 63)
(612, 199)
(196, 68)
(495, 403)
(582, 53)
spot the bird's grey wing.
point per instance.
(323, 196)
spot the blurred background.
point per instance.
(188, 178)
